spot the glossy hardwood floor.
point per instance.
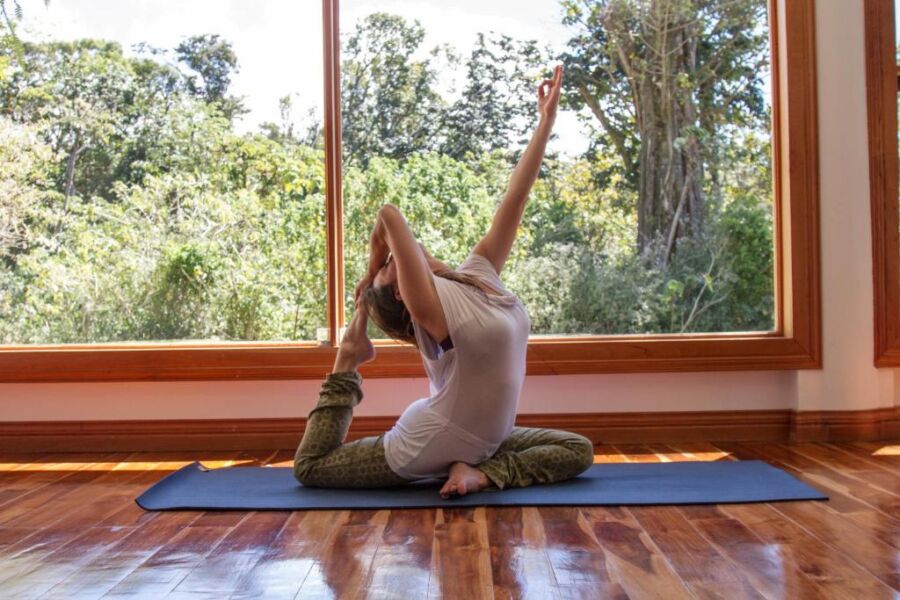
(69, 528)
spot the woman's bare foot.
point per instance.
(464, 480)
(356, 348)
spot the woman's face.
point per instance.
(387, 274)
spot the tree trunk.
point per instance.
(70, 167)
(671, 201)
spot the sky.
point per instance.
(284, 38)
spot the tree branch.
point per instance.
(617, 136)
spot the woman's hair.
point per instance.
(391, 315)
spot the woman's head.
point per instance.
(386, 309)
(385, 306)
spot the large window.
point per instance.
(208, 189)
(654, 210)
(155, 183)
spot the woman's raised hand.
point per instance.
(548, 95)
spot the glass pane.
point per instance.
(653, 210)
(162, 172)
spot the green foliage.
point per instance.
(212, 60)
(131, 209)
(666, 83)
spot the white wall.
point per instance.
(848, 380)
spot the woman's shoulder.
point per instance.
(479, 265)
(483, 270)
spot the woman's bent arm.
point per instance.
(414, 278)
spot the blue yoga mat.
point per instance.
(274, 488)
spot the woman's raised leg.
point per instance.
(322, 459)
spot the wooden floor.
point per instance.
(69, 528)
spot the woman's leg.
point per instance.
(531, 455)
(527, 456)
(322, 459)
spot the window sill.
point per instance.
(546, 356)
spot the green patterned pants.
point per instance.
(527, 456)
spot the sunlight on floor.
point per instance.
(694, 455)
(887, 451)
(169, 465)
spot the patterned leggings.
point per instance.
(527, 456)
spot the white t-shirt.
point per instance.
(474, 386)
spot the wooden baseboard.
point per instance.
(846, 425)
(255, 434)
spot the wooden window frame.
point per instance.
(881, 99)
(794, 344)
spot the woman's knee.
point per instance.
(583, 449)
(303, 472)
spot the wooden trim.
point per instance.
(846, 425)
(777, 180)
(601, 428)
(553, 356)
(333, 199)
(798, 151)
(881, 100)
(795, 344)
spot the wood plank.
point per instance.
(218, 574)
(100, 473)
(520, 567)
(770, 569)
(90, 540)
(842, 534)
(401, 567)
(706, 572)
(343, 569)
(89, 569)
(700, 451)
(876, 526)
(699, 564)
(316, 584)
(286, 563)
(885, 454)
(461, 557)
(845, 537)
(824, 476)
(106, 490)
(70, 521)
(632, 557)
(161, 572)
(647, 569)
(851, 466)
(637, 453)
(830, 569)
(580, 565)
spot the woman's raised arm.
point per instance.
(497, 243)
(414, 279)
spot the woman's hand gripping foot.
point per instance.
(463, 480)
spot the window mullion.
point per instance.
(333, 195)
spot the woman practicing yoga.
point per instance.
(472, 333)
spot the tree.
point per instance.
(213, 61)
(388, 104)
(663, 78)
(73, 91)
(497, 104)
